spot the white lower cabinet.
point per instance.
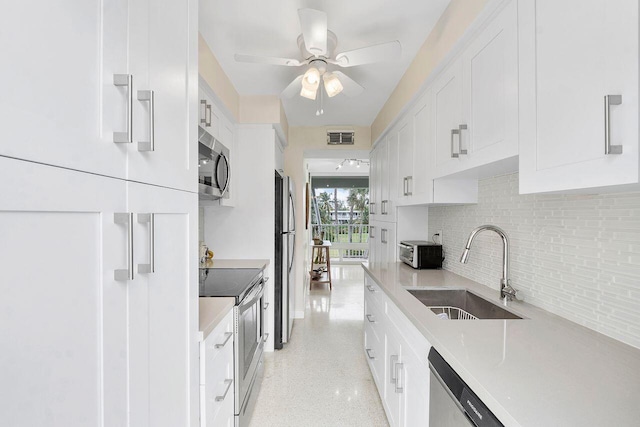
(97, 337)
(217, 380)
(397, 356)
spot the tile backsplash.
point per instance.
(577, 256)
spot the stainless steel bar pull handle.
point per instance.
(371, 208)
(370, 318)
(610, 100)
(266, 305)
(149, 218)
(126, 218)
(207, 116)
(148, 96)
(384, 236)
(221, 398)
(398, 368)
(228, 336)
(454, 155)
(127, 81)
(371, 288)
(266, 337)
(460, 129)
(203, 116)
(371, 230)
(370, 353)
(392, 372)
(409, 185)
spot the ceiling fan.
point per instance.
(317, 48)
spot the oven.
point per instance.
(249, 340)
(213, 167)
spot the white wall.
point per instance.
(577, 256)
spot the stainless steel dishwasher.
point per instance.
(451, 401)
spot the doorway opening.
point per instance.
(339, 208)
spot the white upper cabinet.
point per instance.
(572, 136)
(476, 100)
(448, 126)
(77, 91)
(386, 181)
(405, 158)
(490, 91)
(415, 162)
(163, 62)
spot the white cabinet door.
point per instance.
(387, 242)
(490, 91)
(420, 183)
(388, 172)
(415, 383)
(374, 183)
(571, 57)
(163, 57)
(162, 301)
(63, 316)
(448, 130)
(405, 143)
(59, 105)
(393, 396)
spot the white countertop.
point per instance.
(236, 263)
(212, 311)
(539, 371)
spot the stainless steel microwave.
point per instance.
(214, 172)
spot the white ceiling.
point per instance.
(270, 28)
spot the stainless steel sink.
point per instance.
(460, 304)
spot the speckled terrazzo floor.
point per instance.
(321, 377)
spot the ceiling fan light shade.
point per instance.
(332, 84)
(311, 77)
(309, 93)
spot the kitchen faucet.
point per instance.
(507, 293)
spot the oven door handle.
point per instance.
(405, 246)
(253, 296)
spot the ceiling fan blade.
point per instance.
(293, 88)
(268, 60)
(381, 52)
(349, 86)
(314, 30)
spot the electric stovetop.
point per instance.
(228, 282)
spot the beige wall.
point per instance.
(301, 139)
(450, 27)
(256, 109)
(210, 70)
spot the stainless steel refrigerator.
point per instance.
(285, 238)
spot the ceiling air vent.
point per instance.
(336, 137)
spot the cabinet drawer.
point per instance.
(374, 352)
(219, 341)
(373, 291)
(225, 416)
(218, 389)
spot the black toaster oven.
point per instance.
(421, 254)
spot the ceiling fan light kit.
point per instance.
(317, 45)
(332, 84)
